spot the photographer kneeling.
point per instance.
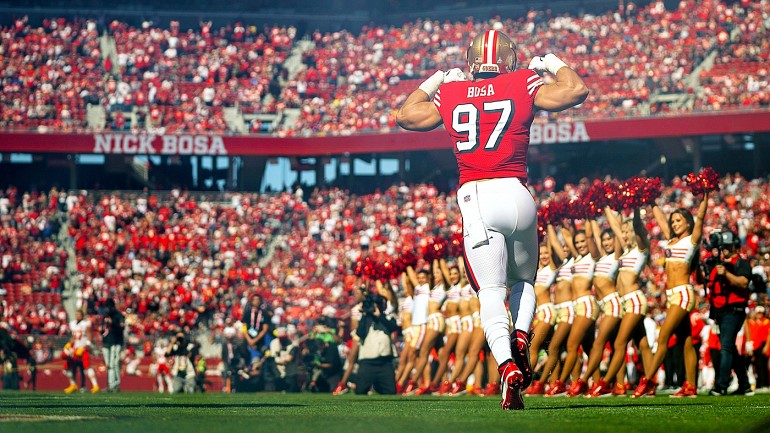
(728, 292)
(375, 355)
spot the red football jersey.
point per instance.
(489, 122)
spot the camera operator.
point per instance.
(183, 370)
(728, 293)
(375, 354)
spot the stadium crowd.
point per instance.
(181, 80)
(179, 261)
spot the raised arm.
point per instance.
(419, 113)
(461, 266)
(569, 89)
(697, 230)
(412, 276)
(568, 235)
(556, 246)
(593, 238)
(444, 270)
(614, 223)
(406, 283)
(660, 217)
(642, 236)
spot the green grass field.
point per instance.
(214, 412)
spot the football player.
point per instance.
(81, 345)
(488, 119)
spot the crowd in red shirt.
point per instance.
(177, 80)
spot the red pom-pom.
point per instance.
(358, 268)
(637, 192)
(705, 181)
(390, 269)
(456, 246)
(575, 209)
(434, 248)
(408, 258)
(597, 197)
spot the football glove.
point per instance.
(549, 63)
(431, 85)
(454, 74)
(537, 64)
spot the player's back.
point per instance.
(489, 122)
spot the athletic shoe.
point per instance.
(491, 389)
(458, 388)
(600, 389)
(537, 388)
(95, 389)
(70, 389)
(520, 350)
(444, 388)
(743, 391)
(399, 388)
(410, 388)
(577, 388)
(426, 390)
(688, 391)
(341, 388)
(619, 390)
(718, 392)
(475, 389)
(646, 388)
(511, 384)
(558, 389)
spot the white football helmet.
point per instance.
(491, 53)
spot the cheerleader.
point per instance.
(422, 282)
(467, 335)
(563, 305)
(435, 329)
(605, 274)
(585, 307)
(635, 245)
(684, 235)
(545, 315)
(406, 360)
(451, 311)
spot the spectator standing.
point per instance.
(257, 318)
(112, 344)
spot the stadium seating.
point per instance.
(163, 78)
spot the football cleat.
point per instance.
(511, 384)
(688, 391)
(520, 350)
(646, 388)
(70, 389)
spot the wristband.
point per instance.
(553, 63)
(431, 85)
